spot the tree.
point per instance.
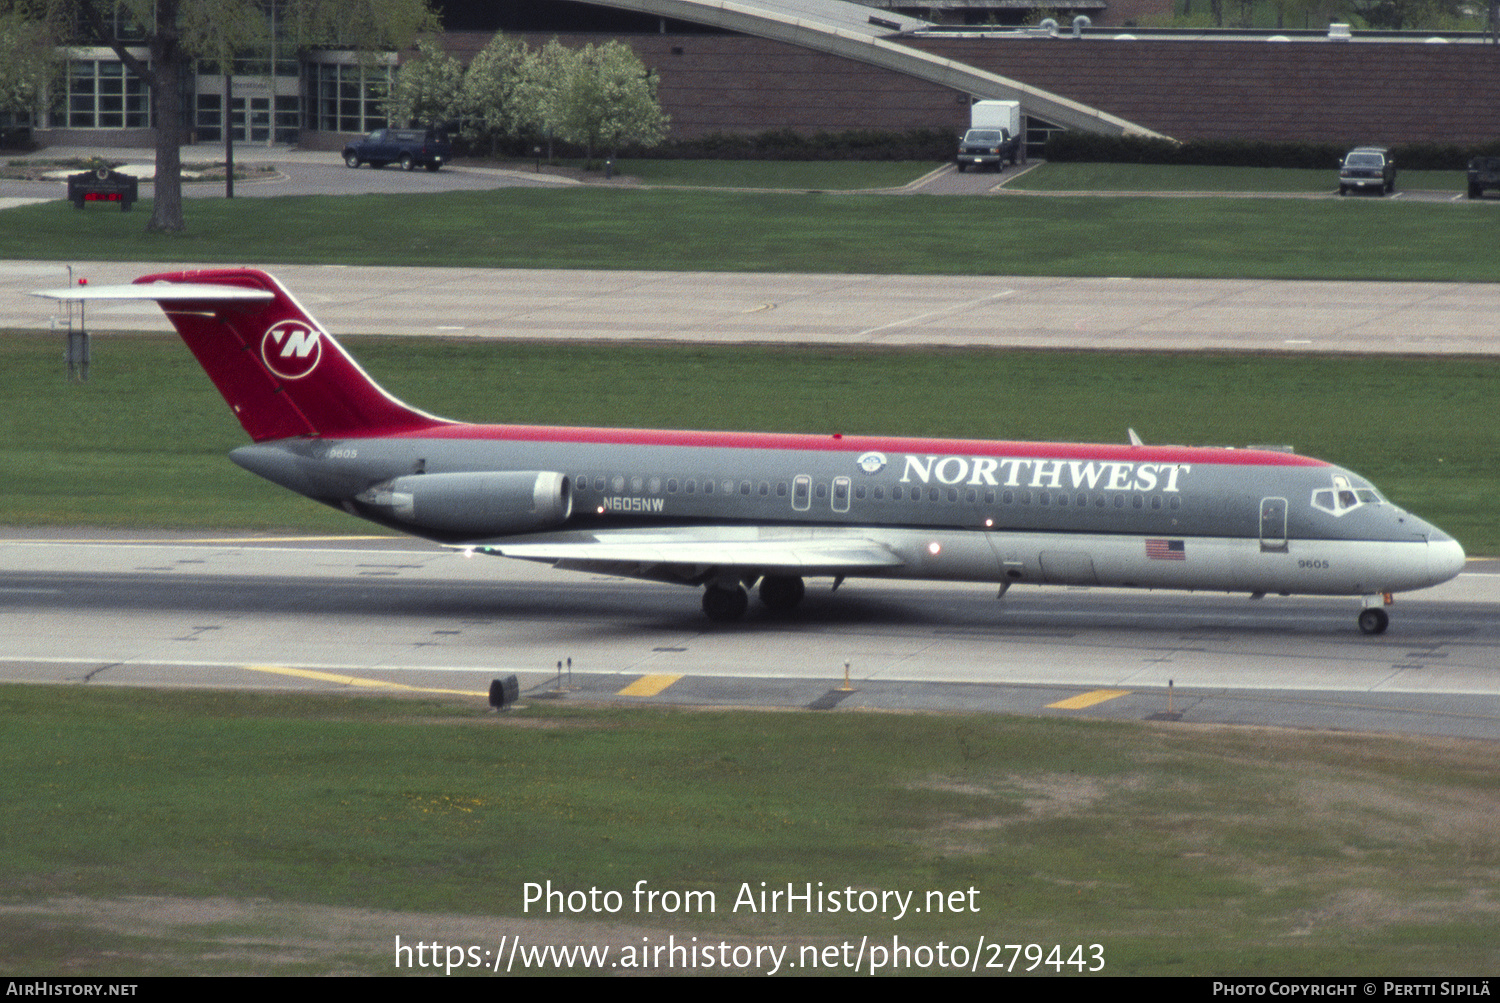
(429, 89)
(608, 98)
(27, 58)
(496, 92)
(176, 33)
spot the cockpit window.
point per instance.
(1343, 498)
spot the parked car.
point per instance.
(988, 147)
(1367, 167)
(1484, 172)
(407, 147)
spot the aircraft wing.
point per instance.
(694, 555)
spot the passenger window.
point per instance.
(599, 483)
(655, 486)
(671, 485)
(690, 487)
(635, 484)
(619, 484)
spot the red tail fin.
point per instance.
(280, 372)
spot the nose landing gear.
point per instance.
(1373, 619)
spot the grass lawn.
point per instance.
(850, 233)
(144, 442)
(211, 833)
(1166, 178)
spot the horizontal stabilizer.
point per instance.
(161, 292)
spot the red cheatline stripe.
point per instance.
(860, 444)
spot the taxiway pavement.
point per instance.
(398, 616)
(891, 310)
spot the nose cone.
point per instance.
(1445, 558)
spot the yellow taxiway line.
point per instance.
(377, 684)
(1088, 699)
(648, 686)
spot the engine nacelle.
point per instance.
(474, 504)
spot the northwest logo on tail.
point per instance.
(291, 349)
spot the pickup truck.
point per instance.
(407, 147)
(1484, 172)
(984, 147)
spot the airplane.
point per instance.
(730, 511)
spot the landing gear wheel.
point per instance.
(724, 605)
(351, 160)
(781, 593)
(1374, 621)
(407, 163)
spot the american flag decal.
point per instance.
(1166, 550)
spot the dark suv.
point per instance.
(1484, 172)
(407, 147)
(1368, 167)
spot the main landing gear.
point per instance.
(724, 603)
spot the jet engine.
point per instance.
(473, 504)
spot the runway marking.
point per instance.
(917, 319)
(1083, 700)
(648, 686)
(329, 677)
